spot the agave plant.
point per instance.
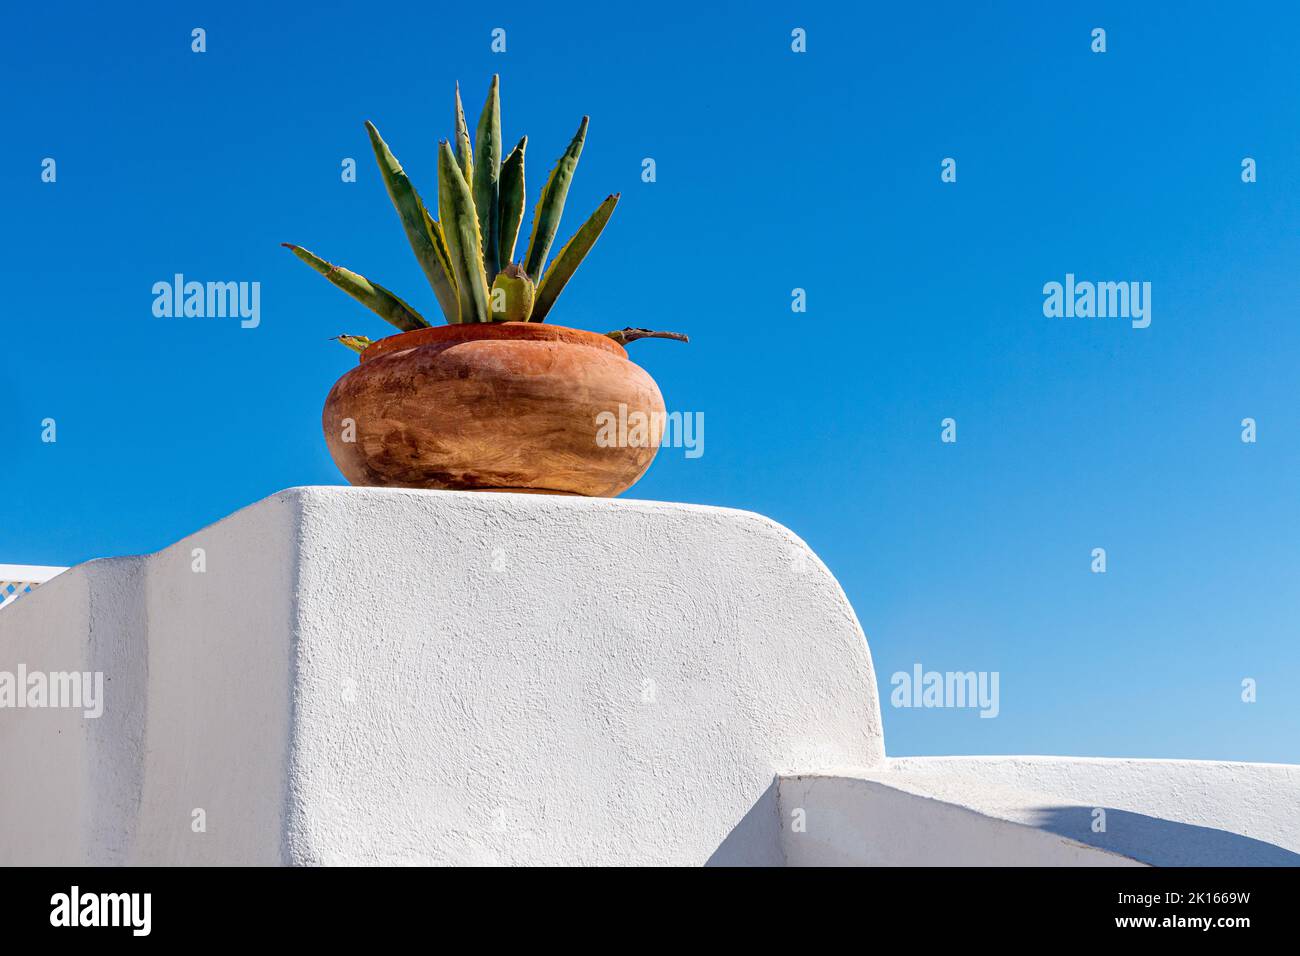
(468, 252)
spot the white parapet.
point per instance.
(338, 675)
(1021, 811)
(356, 676)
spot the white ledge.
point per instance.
(370, 675)
(1083, 811)
(345, 675)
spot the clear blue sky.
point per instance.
(775, 171)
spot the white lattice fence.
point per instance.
(17, 579)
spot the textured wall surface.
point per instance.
(341, 675)
(1044, 811)
(1162, 812)
(842, 820)
(558, 679)
(370, 675)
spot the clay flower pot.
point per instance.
(501, 406)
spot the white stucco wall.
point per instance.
(1044, 811)
(873, 820)
(342, 675)
(372, 675)
(1162, 812)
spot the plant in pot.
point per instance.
(494, 400)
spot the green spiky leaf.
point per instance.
(357, 343)
(566, 263)
(512, 201)
(440, 250)
(624, 336)
(512, 295)
(372, 295)
(415, 220)
(487, 177)
(464, 246)
(464, 151)
(546, 217)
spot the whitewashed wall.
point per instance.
(351, 676)
(366, 675)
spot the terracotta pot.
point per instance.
(502, 406)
